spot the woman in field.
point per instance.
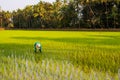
(37, 47)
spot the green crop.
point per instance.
(66, 55)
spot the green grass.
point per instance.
(89, 53)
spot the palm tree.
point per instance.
(6, 18)
(114, 14)
(39, 12)
(28, 11)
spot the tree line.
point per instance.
(65, 14)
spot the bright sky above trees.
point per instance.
(15, 4)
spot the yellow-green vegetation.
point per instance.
(66, 55)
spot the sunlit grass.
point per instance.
(89, 53)
(24, 68)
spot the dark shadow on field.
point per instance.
(106, 36)
(65, 54)
(20, 50)
(17, 49)
(93, 40)
(38, 57)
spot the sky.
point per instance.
(10, 5)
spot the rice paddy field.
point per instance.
(66, 55)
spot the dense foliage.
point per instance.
(66, 14)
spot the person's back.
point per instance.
(37, 47)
